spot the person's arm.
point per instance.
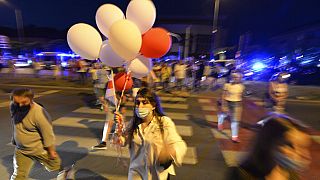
(174, 148)
(44, 125)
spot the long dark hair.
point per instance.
(271, 135)
(154, 100)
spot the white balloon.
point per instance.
(142, 13)
(84, 40)
(140, 66)
(109, 57)
(125, 39)
(106, 15)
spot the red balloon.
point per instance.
(155, 43)
(120, 79)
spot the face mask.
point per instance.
(286, 162)
(19, 112)
(142, 112)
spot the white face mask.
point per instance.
(142, 112)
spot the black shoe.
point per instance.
(101, 146)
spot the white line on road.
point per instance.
(167, 105)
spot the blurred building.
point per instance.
(196, 36)
(298, 39)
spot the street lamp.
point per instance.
(19, 21)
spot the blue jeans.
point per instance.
(235, 111)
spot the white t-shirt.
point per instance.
(233, 91)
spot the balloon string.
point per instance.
(124, 87)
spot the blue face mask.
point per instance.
(18, 113)
(286, 162)
(142, 112)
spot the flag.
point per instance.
(109, 96)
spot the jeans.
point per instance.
(235, 111)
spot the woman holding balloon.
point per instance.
(154, 143)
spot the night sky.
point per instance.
(263, 17)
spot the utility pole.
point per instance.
(215, 27)
(187, 42)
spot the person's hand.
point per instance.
(52, 154)
(105, 107)
(165, 155)
(118, 117)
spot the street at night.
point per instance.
(160, 90)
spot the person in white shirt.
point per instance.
(232, 104)
(180, 74)
(278, 92)
(154, 143)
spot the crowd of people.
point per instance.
(279, 151)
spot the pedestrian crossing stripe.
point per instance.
(7, 103)
(173, 99)
(88, 110)
(84, 144)
(233, 158)
(184, 130)
(211, 118)
(209, 108)
(202, 101)
(316, 139)
(78, 122)
(166, 105)
(225, 134)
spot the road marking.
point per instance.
(184, 130)
(212, 118)
(129, 114)
(209, 108)
(7, 103)
(89, 110)
(87, 123)
(232, 158)
(225, 134)
(316, 139)
(84, 144)
(204, 100)
(78, 122)
(167, 105)
(172, 99)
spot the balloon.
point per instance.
(84, 40)
(140, 66)
(142, 13)
(155, 43)
(125, 39)
(106, 15)
(109, 57)
(119, 81)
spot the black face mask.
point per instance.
(19, 112)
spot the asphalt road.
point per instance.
(205, 158)
(74, 143)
